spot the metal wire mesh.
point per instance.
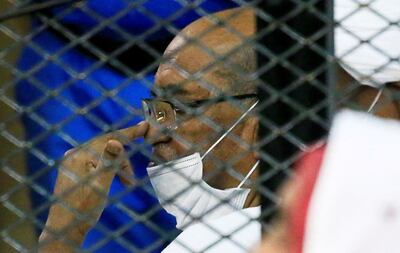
(257, 83)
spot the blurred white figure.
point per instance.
(355, 206)
(236, 232)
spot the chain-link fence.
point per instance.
(231, 92)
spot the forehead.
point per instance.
(194, 57)
(172, 82)
(191, 69)
(184, 70)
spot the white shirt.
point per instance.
(241, 227)
(355, 206)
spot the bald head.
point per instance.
(215, 52)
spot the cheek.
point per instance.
(206, 130)
(197, 132)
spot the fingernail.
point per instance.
(69, 151)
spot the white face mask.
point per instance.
(182, 192)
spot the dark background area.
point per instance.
(288, 65)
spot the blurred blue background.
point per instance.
(49, 63)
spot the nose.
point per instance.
(157, 133)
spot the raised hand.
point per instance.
(82, 186)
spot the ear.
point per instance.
(250, 131)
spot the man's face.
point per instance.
(176, 82)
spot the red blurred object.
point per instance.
(307, 169)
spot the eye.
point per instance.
(160, 116)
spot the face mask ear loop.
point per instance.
(229, 130)
(378, 96)
(248, 175)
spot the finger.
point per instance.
(126, 173)
(128, 134)
(113, 149)
(109, 163)
(125, 169)
(96, 146)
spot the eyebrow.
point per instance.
(170, 89)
